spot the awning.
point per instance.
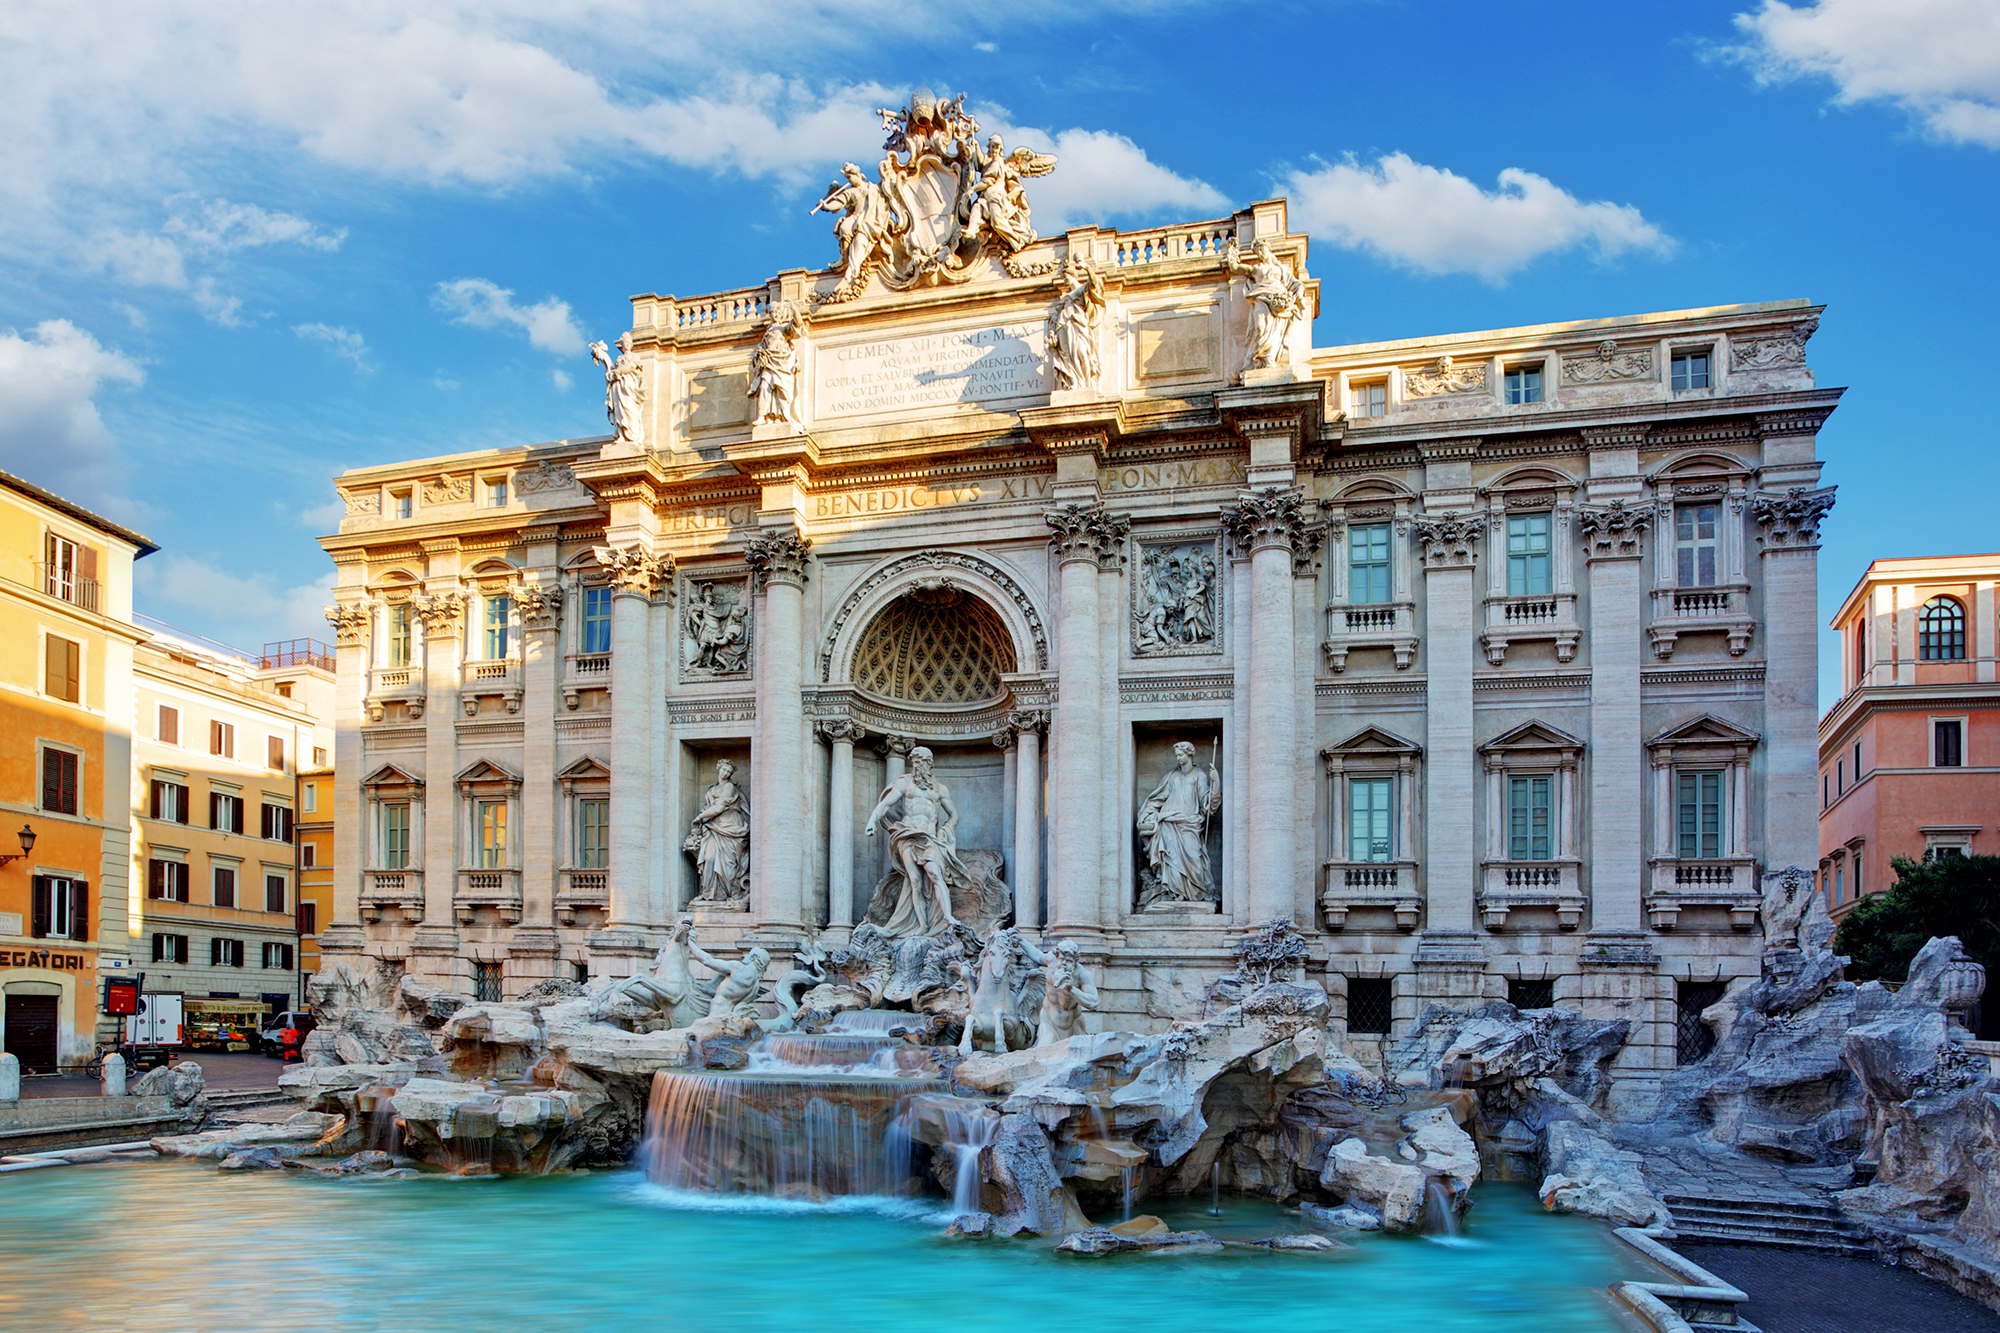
(225, 1008)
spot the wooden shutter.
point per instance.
(79, 910)
(38, 909)
(215, 810)
(62, 669)
(153, 805)
(156, 882)
(170, 725)
(159, 947)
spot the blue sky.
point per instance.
(244, 245)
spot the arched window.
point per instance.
(1941, 630)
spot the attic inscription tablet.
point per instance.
(985, 366)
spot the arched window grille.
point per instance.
(1941, 630)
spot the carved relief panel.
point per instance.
(1177, 596)
(715, 628)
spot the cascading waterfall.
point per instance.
(1439, 1219)
(809, 1117)
(967, 1134)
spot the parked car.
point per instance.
(271, 1041)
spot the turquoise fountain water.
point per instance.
(178, 1246)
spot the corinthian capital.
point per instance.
(1086, 532)
(1613, 530)
(349, 621)
(439, 612)
(841, 729)
(634, 569)
(1275, 516)
(1449, 539)
(1792, 519)
(778, 556)
(538, 605)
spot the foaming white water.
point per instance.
(699, 1201)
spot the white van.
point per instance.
(157, 1031)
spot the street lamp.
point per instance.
(27, 836)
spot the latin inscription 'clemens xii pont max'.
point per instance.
(988, 365)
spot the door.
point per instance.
(31, 1032)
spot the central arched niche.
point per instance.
(940, 646)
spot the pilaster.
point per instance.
(638, 743)
(1083, 534)
(1788, 534)
(779, 800)
(1450, 542)
(1613, 536)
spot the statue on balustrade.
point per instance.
(624, 389)
(1277, 298)
(931, 889)
(774, 366)
(720, 840)
(1067, 992)
(667, 997)
(1174, 825)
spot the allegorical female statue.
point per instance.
(720, 839)
(1174, 824)
(624, 389)
(774, 366)
(1072, 325)
(1277, 298)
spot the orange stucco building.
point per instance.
(66, 641)
(1910, 755)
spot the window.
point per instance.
(1694, 1039)
(1528, 818)
(222, 739)
(57, 908)
(1839, 886)
(274, 753)
(402, 504)
(491, 817)
(1370, 399)
(277, 823)
(170, 801)
(71, 572)
(1938, 851)
(225, 953)
(1857, 872)
(1857, 761)
(319, 756)
(278, 956)
(1524, 384)
(496, 494)
(1689, 369)
(168, 729)
(1368, 819)
(309, 796)
(1368, 1006)
(167, 881)
(274, 893)
(498, 611)
(308, 918)
(396, 837)
(308, 854)
(62, 676)
(593, 833)
(1695, 544)
(170, 948)
(284, 689)
(1531, 994)
(1860, 652)
(486, 982)
(1699, 821)
(579, 972)
(225, 812)
(225, 886)
(1941, 630)
(1826, 789)
(59, 781)
(596, 620)
(1368, 563)
(399, 635)
(1947, 742)
(1528, 555)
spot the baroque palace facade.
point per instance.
(1489, 657)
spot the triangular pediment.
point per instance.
(391, 776)
(1532, 736)
(485, 770)
(1373, 740)
(1708, 729)
(586, 769)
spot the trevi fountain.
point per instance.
(1335, 960)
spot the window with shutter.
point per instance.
(1528, 821)
(274, 893)
(308, 918)
(169, 729)
(79, 910)
(63, 670)
(59, 782)
(225, 887)
(222, 739)
(39, 893)
(1700, 815)
(274, 753)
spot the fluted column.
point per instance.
(637, 577)
(777, 561)
(1028, 725)
(1081, 535)
(840, 822)
(1272, 523)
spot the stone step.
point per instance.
(1819, 1244)
(1686, 1224)
(241, 1099)
(1751, 1213)
(1814, 1210)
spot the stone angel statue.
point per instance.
(992, 202)
(624, 389)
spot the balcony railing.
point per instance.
(1724, 609)
(499, 676)
(1720, 884)
(582, 890)
(1534, 616)
(499, 890)
(1391, 625)
(67, 585)
(297, 652)
(1389, 886)
(385, 891)
(584, 671)
(1507, 886)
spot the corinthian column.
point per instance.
(442, 614)
(1082, 534)
(1028, 725)
(1788, 532)
(1272, 524)
(842, 733)
(1450, 542)
(636, 578)
(342, 933)
(777, 560)
(1613, 536)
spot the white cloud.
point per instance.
(211, 230)
(1939, 60)
(561, 380)
(486, 305)
(1100, 175)
(1435, 221)
(224, 226)
(50, 429)
(343, 343)
(244, 609)
(325, 517)
(443, 383)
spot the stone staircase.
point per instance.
(1792, 1224)
(241, 1099)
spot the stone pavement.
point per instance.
(1793, 1292)
(239, 1072)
